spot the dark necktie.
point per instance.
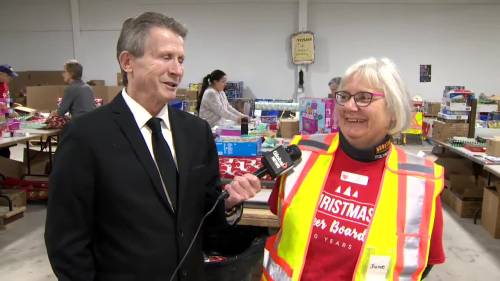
(164, 160)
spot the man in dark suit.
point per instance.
(115, 212)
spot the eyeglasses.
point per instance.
(362, 99)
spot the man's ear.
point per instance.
(126, 60)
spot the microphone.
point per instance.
(275, 163)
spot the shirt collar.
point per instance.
(366, 155)
(141, 115)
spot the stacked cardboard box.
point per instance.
(493, 147)
(442, 130)
(490, 215)
(18, 202)
(457, 105)
(234, 89)
(32, 78)
(189, 97)
(454, 115)
(432, 108)
(463, 189)
(44, 98)
(289, 128)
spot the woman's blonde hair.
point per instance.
(382, 74)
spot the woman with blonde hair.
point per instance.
(357, 207)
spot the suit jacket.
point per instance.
(108, 217)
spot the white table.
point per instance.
(493, 169)
(30, 134)
(476, 157)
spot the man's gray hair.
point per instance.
(135, 32)
(335, 80)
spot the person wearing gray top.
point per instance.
(78, 97)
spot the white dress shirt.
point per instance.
(142, 116)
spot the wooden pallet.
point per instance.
(6, 216)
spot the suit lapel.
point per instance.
(125, 120)
(182, 152)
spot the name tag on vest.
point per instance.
(353, 178)
(378, 266)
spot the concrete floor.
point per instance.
(472, 255)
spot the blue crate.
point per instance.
(241, 149)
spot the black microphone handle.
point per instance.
(259, 173)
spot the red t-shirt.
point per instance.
(345, 209)
(4, 90)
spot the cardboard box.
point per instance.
(106, 93)
(432, 108)
(316, 116)
(18, 197)
(11, 168)
(96, 82)
(490, 215)
(465, 208)
(494, 182)
(493, 147)
(465, 186)
(189, 94)
(44, 98)
(39, 162)
(455, 166)
(442, 131)
(119, 79)
(289, 128)
(33, 78)
(244, 105)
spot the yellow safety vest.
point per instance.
(397, 243)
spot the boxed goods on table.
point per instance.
(493, 147)
(289, 128)
(442, 131)
(458, 99)
(238, 146)
(316, 116)
(432, 108)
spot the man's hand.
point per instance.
(241, 188)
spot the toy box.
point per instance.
(317, 116)
(241, 147)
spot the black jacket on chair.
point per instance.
(107, 216)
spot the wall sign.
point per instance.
(425, 73)
(303, 47)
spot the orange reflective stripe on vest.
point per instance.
(398, 235)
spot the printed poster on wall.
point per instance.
(303, 47)
(425, 73)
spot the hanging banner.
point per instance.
(303, 47)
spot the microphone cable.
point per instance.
(222, 196)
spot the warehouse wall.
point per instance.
(461, 42)
(35, 34)
(250, 40)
